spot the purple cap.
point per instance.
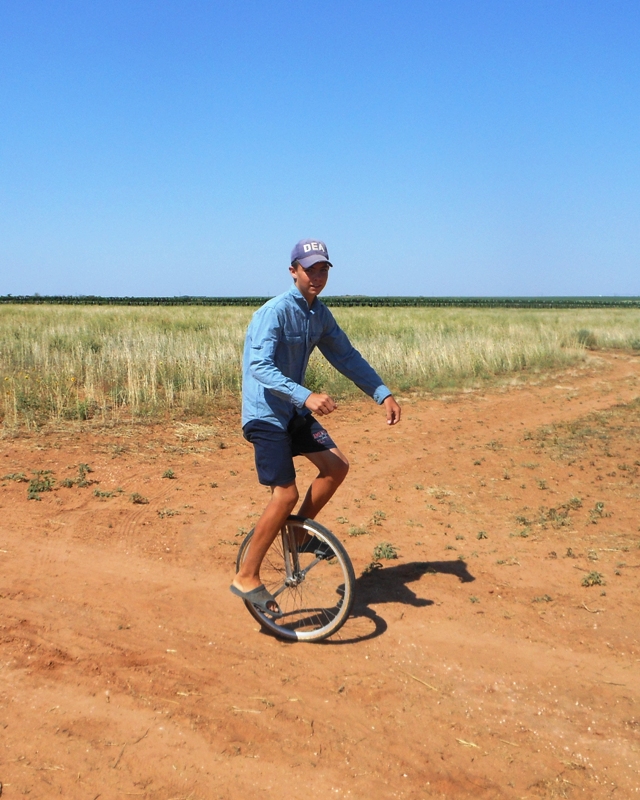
(309, 252)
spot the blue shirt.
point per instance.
(281, 336)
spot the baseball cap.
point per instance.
(308, 252)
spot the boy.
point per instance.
(277, 409)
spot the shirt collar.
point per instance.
(299, 297)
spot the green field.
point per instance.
(119, 362)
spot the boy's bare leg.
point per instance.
(333, 467)
(282, 503)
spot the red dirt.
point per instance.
(472, 667)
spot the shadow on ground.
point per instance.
(389, 585)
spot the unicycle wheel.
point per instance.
(315, 594)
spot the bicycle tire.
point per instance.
(316, 599)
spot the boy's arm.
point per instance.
(265, 336)
(341, 354)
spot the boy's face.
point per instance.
(310, 281)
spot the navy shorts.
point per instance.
(275, 448)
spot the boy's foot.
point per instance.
(261, 598)
(317, 547)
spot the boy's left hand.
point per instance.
(393, 410)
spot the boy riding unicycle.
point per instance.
(280, 416)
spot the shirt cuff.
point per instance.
(299, 396)
(381, 394)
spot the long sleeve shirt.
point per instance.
(280, 339)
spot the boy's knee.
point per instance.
(287, 496)
(340, 469)
(334, 466)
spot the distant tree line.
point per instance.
(348, 301)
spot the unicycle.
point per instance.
(315, 594)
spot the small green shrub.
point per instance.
(597, 513)
(384, 550)
(81, 480)
(138, 499)
(42, 482)
(593, 579)
(169, 512)
(19, 477)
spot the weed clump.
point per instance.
(19, 477)
(83, 471)
(42, 482)
(138, 499)
(167, 512)
(597, 513)
(384, 550)
(593, 579)
(81, 481)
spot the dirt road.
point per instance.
(476, 665)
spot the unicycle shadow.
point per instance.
(390, 585)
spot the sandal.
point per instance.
(261, 598)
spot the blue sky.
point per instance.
(439, 147)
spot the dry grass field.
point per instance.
(122, 363)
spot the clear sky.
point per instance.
(439, 147)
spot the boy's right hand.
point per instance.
(320, 404)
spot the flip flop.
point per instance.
(260, 597)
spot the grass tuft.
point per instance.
(42, 482)
(384, 550)
(593, 579)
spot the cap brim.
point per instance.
(309, 261)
